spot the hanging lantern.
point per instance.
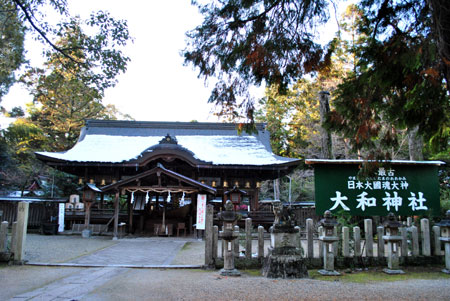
(236, 184)
(80, 181)
(225, 184)
(213, 184)
(103, 183)
(91, 181)
(258, 184)
(247, 184)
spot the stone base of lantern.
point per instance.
(286, 263)
(86, 233)
(231, 273)
(393, 272)
(328, 273)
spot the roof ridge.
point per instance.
(167, 124)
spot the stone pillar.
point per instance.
(14, 237)
(116, 216)
(299, 239)
(380, 246)
(336, 243)
(369, 237)
(447, 258)
(415, 241)
(357, 239)
(260, 242)
(320, 230)
(4, 237)
(236, 243)
(248, 238)
(309, 238)
(345, 242)
(409, 221)
(222, 249)
(215, 241)
(436, 240)
(425, 232)
(404, 243)
(209, 261)
(21, 233)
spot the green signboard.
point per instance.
(405, 189)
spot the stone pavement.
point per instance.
(73, 287)
(136, 253)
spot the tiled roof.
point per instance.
(212, 143)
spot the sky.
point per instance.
(156, 85)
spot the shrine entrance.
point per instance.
(160, 202)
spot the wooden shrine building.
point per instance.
(165, 165)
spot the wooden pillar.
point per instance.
(116, 216)
(87, 214)
(130, 215)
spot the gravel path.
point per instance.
(62, 283)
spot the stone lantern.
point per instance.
(392, 238)
(328, 239)
(445, 237)
(229, 218)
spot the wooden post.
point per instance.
(369, 237)
(116, 216)
(357, 239)
(236, 242)
(22, 223)
(380, 246)
(209, 260)
(260, 242)
(425, 231)
(87, 214)
(309, 238)
(130, 215)
(345, 242)
(248, 238)
(415, 240)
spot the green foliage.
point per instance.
(251, 42)
(100, 49)
(67, 93)
(398, 82)
(12, 33)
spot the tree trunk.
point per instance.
(324, 107)
(440, 10)
(415, 141)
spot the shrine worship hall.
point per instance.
(146, 177)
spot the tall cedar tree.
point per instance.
(399, 76)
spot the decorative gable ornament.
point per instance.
(168, 140)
